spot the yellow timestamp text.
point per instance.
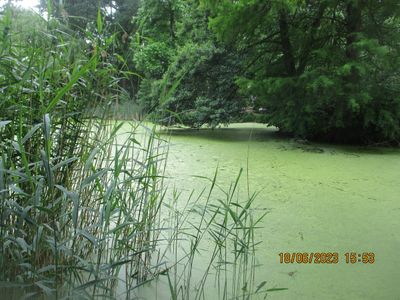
(326, 257)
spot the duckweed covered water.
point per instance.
(319, 198)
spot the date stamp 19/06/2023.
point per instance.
(326, 258)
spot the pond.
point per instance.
(319, 198)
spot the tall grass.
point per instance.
(81, 197)
(77, 208)
(214, 245)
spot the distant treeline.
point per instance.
(324, 69)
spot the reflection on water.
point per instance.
(320, 198)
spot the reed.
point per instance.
(84, 208)
(78, 207)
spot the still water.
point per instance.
(319, 198)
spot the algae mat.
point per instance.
(319, 198)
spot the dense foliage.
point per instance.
(177, 53)
(324, 69)
(318, 69)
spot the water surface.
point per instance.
(320, 198)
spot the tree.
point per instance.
(77, 13)
(323, 69)
(158, 18)
(189, 77)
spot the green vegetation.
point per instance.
(75, 208)
(81, 200)
(322, 69)
(85, 207)
(325, 70)
(195, 82)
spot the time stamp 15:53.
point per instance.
(326, 258)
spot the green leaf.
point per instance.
(64, 162)
(4, 123)
(30, 133)
(260, 286)
(47, 290)
(23, 244)
(75, 201)
(88, 236)
(92, 177)
(75, 77)
(92, 154)
(277, 289)
(99, 20)
(47, 168)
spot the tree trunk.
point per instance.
(310, 39)
(353, 27)
(171, 20)
(285, 43)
